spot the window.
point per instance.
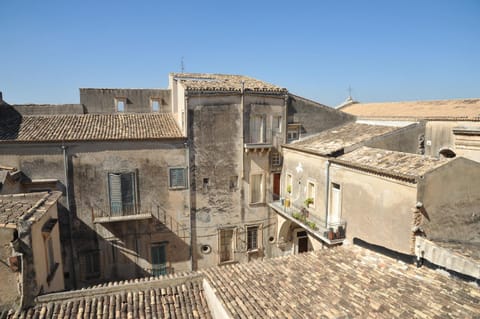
(289, 185)
(178, 178)
(257, 128)
(50, 255)
(277, 124)
(155, 104)
(252, 237)
(159, 259)
(121, 188)
(336, 203)
(120, 104)
(91, 264)
(256, 188)
(47, 229)
(276, 159)
(292, 134)
(226, 245)
(311, 193)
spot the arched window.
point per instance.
(446, 153)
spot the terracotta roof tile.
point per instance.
(224, 82)
(342, 282)
(461, 108)
(89, 127)
(391, 162)
(180, 301)
(336, 139)
(16, 206)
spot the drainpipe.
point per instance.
(192, 242)
(73, 278)
(327, 182)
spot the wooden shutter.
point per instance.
(115, 193)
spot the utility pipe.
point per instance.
(327, 182)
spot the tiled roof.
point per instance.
(140, 299)
(89, 127)
(347, 281)
(461, 109)
(401, 164)
(16, 206)
(224, 82)
(341, 283)
(336, 139)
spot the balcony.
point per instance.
(262, 143)
(329, 233)
(118, 214)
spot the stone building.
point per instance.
(125, 210)
(30, 253)
(162, 180)
(340, 185)
(452, 127)
(235, 127)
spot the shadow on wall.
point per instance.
(10, 120)
(133, 249)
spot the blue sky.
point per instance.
(384, 50)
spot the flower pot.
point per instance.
(287, 202)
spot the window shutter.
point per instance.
(177, 177)
(115, 193)
(128, 193)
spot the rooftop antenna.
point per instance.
(350, 92)
(182, 65)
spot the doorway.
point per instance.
(301, 241)
(159, 259)
(276, 186)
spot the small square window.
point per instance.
(120, 104)
(155, 103)
(178, 178)
(276, 159)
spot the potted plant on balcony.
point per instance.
(308, 202)
(289, 189)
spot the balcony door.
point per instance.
(335, 204)
(300, 244)
(159, 259)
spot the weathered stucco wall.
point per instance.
(39, 249)
(314, 116)
(313, 170)
(125, 246)
(407, 139)
(377, 210)
(89, 164)
(9, 290)
(138, 100)
(451, 200)
(221, 173)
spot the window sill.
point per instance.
(228, 262)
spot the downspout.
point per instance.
(187, 155)
(327, 183)
(73, 278)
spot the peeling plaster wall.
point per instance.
(451, 200)
(217, 154)
(89, 164)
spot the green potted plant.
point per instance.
(308, 202)
(289, 189)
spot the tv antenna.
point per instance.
(182, 66)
